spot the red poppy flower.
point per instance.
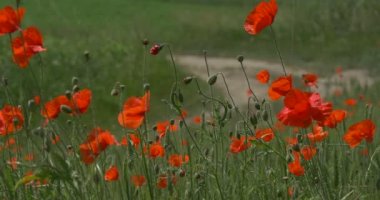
(291, 141)
(280, 87)
(358, 132)
(162, 181)
(318, 135)
(177, 160)
(265, 134)
(197, 119)
(260, 17)
(310, 79)
(11, 119)
(13, 163)
(138, 180)
(97, 141)
(295, 167)
(238, 145)
(156, 150)
(112, 174)
(155, 49)
(26, 46)
(163, 127)
(334, 119)
(263, 76)
(134, 110)
(29, 157)
(350, 102)
(55, 139)
(82, 100)
(302, 107)
(308, 152)
(37, 100)
(10, 19)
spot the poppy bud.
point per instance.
(75, 80)
(229, 105)
(182, 173)
(146, 87)
(76, 88)
(86, 55)
(114, 92)
(30, 103)
(265, 115)
(198, 176)
(172, 121)
(212, 79)
(155, 49)
(187, 80)
(154, 128)
(240, 58)
(296, 148)
(156, 169)
(69, 147)
(145, 42)
(122, 87)
(5, 81)
(68, 94)
(66, 109)
(299, 138)
(257, 106)
(253, 120)
(180, 97)
(231, 134)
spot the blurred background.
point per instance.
(317, 35)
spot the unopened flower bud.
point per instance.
(30, 103)
(296, 148)
(212, 79)
(257, 106)
(76, 88)
(253, 120)
(5, 81)
(240, 58)
(66, 109)
(155, 49)
(146, 87)
(154, 128)
(182, 173)
(114, 92)
(145, 42)
(86, 55)
(68, 94)
(75, 80)
(187, 80)
(265, 115)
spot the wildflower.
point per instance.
(291, 141)
(303, 107)
(263, 76)
(155, 49)
(97, 141)
(308, 152)
(37, 100)
(29, 157)
(138, 180)
(112, 174)
(13, 163)
(11, 119)
(55, 139)
(156, 150)
(318, 135)
(197, 119)
(350, 102)
(310, 79)
(295, 167)
(162, 181)
(260, 17)
(176, 160)
(335, 117)
(238, 145)
(280, 87)
(265, 134)
(134, 110)
(10, 19)
(26, 46)
(357, 132)
(163, 127)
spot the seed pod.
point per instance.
(212, 79)
(66, 109)
(187, 80)
(182, 173)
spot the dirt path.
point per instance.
(235, 78)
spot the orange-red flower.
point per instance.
(37, 100)
(197, 119)
(26, 46)
(138, 180)
(177, 160)
(112, 174)
(163, 127)
(162, 181)
(318, 135)
(260, 17)
(303, 107)
(156, 150)
(280, 87)
(310, 79)
(308, 152)
(350, 102)
(265, 134)
(238, 145)
(97, 141)
(363, 130)
(10, 19)
(334, 119)
(295, 167)
(134, 110)
(11, 119)
(263, 76)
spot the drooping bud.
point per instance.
(145, 42)
(187, 80)
(212, 79)
(68, 94)
(114, 92)
(66, 109)
(257, 106)
(76, 88)
(146, 87)
(156, 49)
(265, 115)
(253, 120)
(240, 58)
(75, 80)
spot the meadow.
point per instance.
(98, 114)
